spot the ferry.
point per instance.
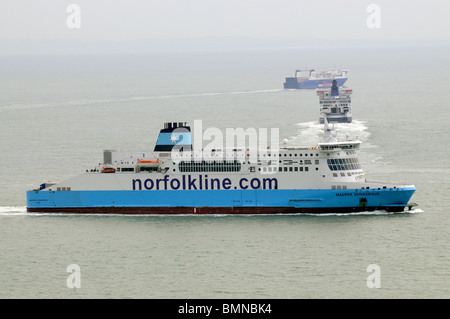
(325, 178)
(335, 103)
(310, 79)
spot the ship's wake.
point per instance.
(22, 210)
(94, 101)
(12, 210)
(312, 132)
(370, 213)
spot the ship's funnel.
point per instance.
(334, 88)
(174, 134)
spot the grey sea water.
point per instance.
(58, 112)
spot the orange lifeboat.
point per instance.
(141, 161)
(108, 170)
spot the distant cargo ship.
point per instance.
(310, 79)
(335, 103)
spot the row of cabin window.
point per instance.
(286, 154)
(344, 147)
(293, 169)
(339, 187)
(341, 104)
(306, 162)
(282, 169)
(348, 174)
(252, 169)
(295, 154)
(209, 167)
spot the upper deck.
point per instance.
(326, 96)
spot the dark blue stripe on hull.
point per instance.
(211, 210)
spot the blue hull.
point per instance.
(219, 201)
(293, 83)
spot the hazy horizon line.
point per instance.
(204, 43)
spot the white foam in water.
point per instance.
(312, 132)
(22, 210)
(12, 210)
(373, 213)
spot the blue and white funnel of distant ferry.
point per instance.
(334, 89)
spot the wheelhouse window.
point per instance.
(343, 164)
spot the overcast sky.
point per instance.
(115, 20)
